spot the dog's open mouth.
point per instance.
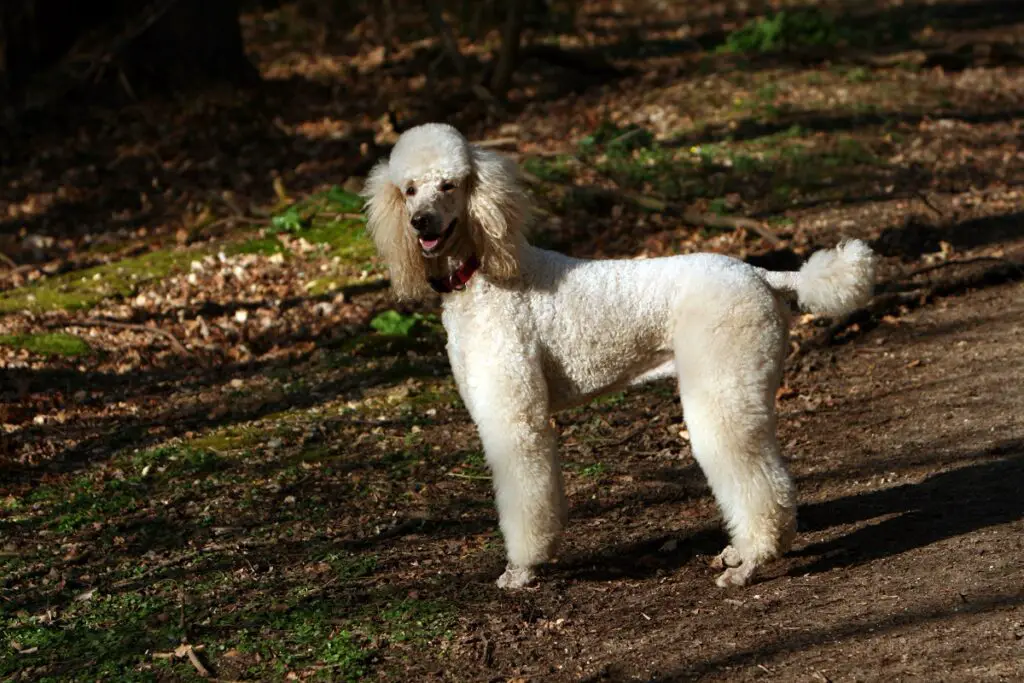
(431, 246)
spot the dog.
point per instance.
(531, 332)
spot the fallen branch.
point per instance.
(194, 658)
(963, 262)
(496, 142)
(928, 203)
(186, 651)
(96, 322)
(702, 218)
(690, 216)
(1006, 271)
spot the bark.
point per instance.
(508, 56)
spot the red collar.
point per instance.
(457, 280)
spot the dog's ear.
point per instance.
(388, 224)
(497, 208)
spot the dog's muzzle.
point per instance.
(431, 238)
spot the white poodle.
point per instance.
(532, 331)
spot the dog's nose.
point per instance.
(423, 222)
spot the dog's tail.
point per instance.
(833, 282)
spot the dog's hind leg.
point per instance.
(521, 449)
(729, 348)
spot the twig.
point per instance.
(341, 216)
(497, 142)
(487, 656)
(153, 569)
(96, 322)
(194, 658)
(963, 262)
(468, 476)
(621, 440)
(8, 260)
(928, 202)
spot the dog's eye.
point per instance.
(410, 191)
(447, 186)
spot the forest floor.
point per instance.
(224, 451)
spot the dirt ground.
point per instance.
(227, 454)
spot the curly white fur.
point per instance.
(536, 331)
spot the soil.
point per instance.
(220, 436)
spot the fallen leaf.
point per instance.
(785, 392)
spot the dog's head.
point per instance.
(439, 200)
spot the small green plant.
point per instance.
(396, 324)
(329, 205)
(858, 74)
(331, 218)
(616, 141)
(718, 206)
(615, 399)
(594, 471)
(785, 30)
(351, 566)
(56, 344)
(555, 169)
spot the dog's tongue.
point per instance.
(429, 244)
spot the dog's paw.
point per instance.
(730, 557)
(737, 573)
(515, 577)
(735, 576)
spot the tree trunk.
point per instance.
(508, 56)
(53, 46)
(195, 43)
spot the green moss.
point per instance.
(263, 246)
(346, 238)
(52, 344)
(83, 289)
(323, 285)
(225, 440)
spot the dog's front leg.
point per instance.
(521, 449)
(529, 492)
